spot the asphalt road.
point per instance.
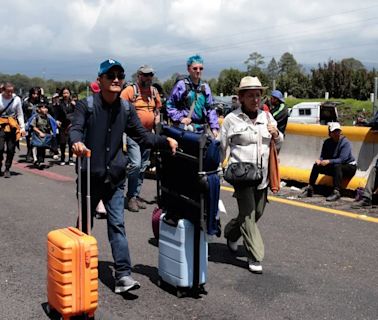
(317, 266)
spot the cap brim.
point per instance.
(252, 88)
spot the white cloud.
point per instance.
(164, 32)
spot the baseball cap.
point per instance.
(145, 69)
(278, 94)
(106, 65)
(55, 95)
(332, 126)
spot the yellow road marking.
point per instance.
(314, 207)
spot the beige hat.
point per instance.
(249, 82)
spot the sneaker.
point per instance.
(125, 284)
(71, 163)
(62, 163)
(7, 174)
(308, 192)
(232, 246)
(55, 157)
(140, 203)
(254, 266)
(132, 204)
(334, 196)
(364, 202)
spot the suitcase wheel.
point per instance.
(180, 293)
(160, 282)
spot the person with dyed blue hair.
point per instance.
(189, 104)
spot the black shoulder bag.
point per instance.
(244, 174)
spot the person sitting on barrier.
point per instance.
(335, 160)
(371, 186)
(247, 131)
(189, 104)
(100, 128)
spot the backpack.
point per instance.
(154, 93)
(189, 87)
(124, 104)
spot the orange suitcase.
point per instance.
(72, 261)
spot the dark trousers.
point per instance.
(337, 171)
(41, 153)
(8, 139)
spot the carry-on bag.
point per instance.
(72, 261)
(177, 256)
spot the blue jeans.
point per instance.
(113, 200)
(139, 160)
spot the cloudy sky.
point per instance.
(67, 39)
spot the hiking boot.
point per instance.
(125, 284)
(140, 203)
(334, 196)
(232, 246)
(364, 202)
(132, 204)
(7, 173)
(308, 192)
(254, 266)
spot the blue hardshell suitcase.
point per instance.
(176, 255)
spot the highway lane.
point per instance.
(317, 265)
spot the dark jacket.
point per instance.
(337, 152)
(101, 130)
(281, 114)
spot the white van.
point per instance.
(314, 112)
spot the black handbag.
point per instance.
(244, 174)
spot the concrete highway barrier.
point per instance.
(303, 144)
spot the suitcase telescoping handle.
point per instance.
(87, 154)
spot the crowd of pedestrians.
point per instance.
(117, 123)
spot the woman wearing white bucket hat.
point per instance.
(247, 131)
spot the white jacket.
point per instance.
(248, 141)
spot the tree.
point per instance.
(353, 64)
(254, 63)
(272, 70)
(168, 84)
(288, 64)
(213, 84)
(229, 80)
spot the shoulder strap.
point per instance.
(90, 103)
(126, 105)
(281, 107)
(136, 92)
(8, 105)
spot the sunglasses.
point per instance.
(197, 68)
(114, 75)
(148, 74)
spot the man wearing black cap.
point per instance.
(99, 125)
(146, 100)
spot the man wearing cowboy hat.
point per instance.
(278, 109)
(247, 132)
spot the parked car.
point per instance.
(314, 112)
